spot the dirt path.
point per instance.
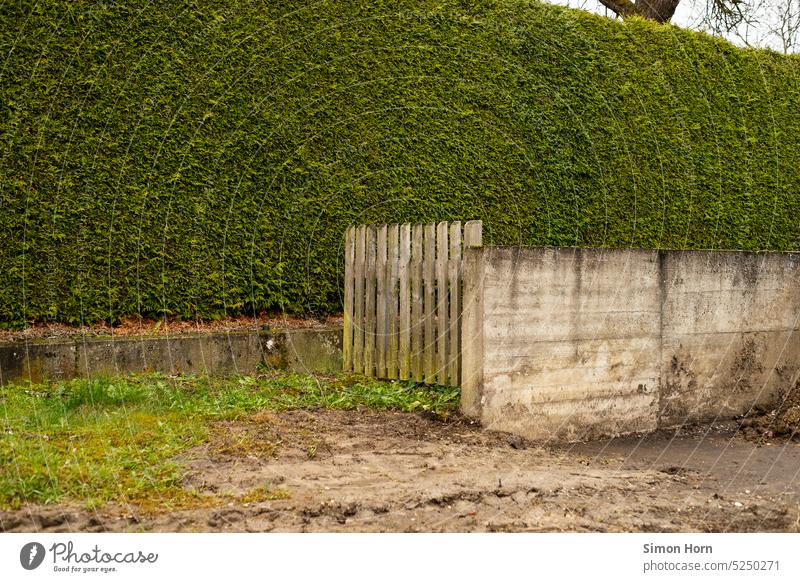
(383, 471)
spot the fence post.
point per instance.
(349, 276)
(405, 302)
(472, 321)
(416, 303)
(382, 301)
(473, 234)
(369, 319)
(441, 303)
(392, 294)
(358, 299)
(429, 277)
(454, 276)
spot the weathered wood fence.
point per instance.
(402, 300)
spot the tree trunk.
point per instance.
(658, 10)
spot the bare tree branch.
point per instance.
(787, 24)
(766, 23)
(622, 8)
(658, 10)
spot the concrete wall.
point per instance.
(302, 350)
(572, 344)
(730, 333)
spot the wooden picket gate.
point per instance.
(402, 300)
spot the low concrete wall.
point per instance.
(572, 344)
(302, 350)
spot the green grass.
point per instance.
(116, 439)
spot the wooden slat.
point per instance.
(416, 303)
(473, 234)
(392, 295)
(472, 308)
(429, 278)
(471, 361)
(369, 305)
(441, 303)
(454, 280)
(358, 299)
(349, 260)
(382, 300)
(404, 279)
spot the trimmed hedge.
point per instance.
(203, 158)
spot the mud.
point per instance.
(782, 420)
(383, 471)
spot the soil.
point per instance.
(782, 421)
(146, 327)
(372, 471)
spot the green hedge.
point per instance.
(204, 158)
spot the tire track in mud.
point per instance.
(365, 470)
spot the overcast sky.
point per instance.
(690, 15)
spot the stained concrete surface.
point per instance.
(302, 350)
(568, 344)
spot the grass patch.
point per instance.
(116, 439)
